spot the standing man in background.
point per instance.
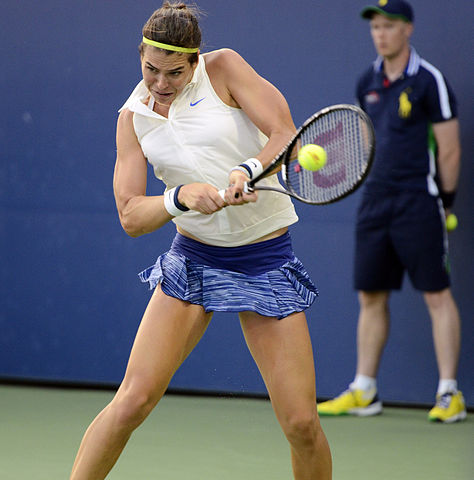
(401, 221)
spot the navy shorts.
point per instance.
(398, 232)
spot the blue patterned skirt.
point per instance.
(265, 277)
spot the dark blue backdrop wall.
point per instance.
(70, 298)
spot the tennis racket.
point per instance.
(347, 135)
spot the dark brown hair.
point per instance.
(175, 23)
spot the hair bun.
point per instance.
(174, 6)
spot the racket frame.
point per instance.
(285, 157)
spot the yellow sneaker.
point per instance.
(352, 402)
(449, 408)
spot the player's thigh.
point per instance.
(168, 332)
(420, 240)
(283, 353)
(376, 263)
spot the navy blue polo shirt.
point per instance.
(402, 113)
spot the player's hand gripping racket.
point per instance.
(347, 135)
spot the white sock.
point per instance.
(446, 385)
(363, 382)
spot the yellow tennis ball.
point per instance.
(312, 157)
(451, 222)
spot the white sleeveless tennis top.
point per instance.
(200, 141)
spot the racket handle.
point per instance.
(247, 189)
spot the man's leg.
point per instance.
(447, 339)
(372, 333)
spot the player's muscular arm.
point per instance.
(240, 86)
(138, 213)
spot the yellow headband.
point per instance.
(165, 46)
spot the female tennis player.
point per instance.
(206, 122)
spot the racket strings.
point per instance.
(346, 137)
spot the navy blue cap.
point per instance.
(395, 9)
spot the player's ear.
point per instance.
(196, 57)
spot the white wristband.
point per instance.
(252, 167)
(172, 205)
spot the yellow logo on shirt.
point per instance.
(404, 109)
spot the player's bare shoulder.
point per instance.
(223, 58)
(224, 67)
(124, 121)
(126, 137)
(125, 115)
(226, 62)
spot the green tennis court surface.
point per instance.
(201, 438)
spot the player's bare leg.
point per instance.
(282, 350)
(168, 332)
(446, 331)
(372, 331)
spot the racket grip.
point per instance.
(248, 189)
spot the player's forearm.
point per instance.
(276, 142)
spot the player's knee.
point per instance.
(301, 430)
(132, 407)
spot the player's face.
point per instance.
(390, 37)
(165, 75)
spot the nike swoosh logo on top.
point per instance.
(193, 104)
